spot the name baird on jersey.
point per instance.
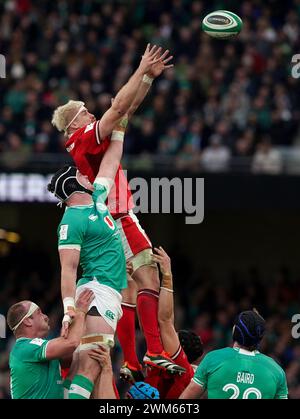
(245, 378)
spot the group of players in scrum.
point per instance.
(120, 274)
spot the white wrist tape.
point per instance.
(147, 79)
(117, 136)
(69, 303)
(67, 318)
(166, 289)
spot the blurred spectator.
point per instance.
(215, 158)
(266, 160)
(62, 51)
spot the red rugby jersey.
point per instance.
(171, 386)
(87, 150)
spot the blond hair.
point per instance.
(65, 113)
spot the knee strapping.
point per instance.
(142, 258)
(93, 340)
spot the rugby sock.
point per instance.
(126, 335)
(81, 388)
(147, 305)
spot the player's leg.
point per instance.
(101, 323)
(131, 369)
(138, 249)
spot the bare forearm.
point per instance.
(127, 94)
(111, 160)
(68, 283)
(106, 388)
(140, 96)
(77, 327)
(166, 300)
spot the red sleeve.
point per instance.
(90, 139)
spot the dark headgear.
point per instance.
(191, 344)
(249, 328)
(64, 183)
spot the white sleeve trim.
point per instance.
(98, 138)
(200, 383)
(70, 246)
(104, 181)
(44, 353)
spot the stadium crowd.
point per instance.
(206, 306)
(221, 99)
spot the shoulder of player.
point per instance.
(272, 363)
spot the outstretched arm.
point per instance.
(168, 333)
(126, 95)
(155, 71)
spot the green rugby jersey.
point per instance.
(32, 376)
(92, 230)
(233, 373)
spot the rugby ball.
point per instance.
(222, 24)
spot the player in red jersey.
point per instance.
(185, 346)
(87, 142)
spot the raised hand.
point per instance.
(161, 65)
(84, 300)
(150, 57)
(162, 258)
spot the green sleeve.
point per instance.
(71, 234)
(101, 191)
(34, 350)
(282, 390)
(201, 374)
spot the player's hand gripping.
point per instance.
(162, 258)
(161, 65)
(102, 355)
(83, 302)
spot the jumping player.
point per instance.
(240, 372)
(185, 346)
(87, 142)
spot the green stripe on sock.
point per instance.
(80, 388)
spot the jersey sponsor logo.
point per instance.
(70, 148)
(37, 341)
(89, 127)
(109, 314)
(109, 222)
(93, 217)
(63, 232)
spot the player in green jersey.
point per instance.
(35, 361)
(240, 372)
(89, 236)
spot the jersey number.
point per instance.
(246, 394)
(109, 222)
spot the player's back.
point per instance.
(234, 373)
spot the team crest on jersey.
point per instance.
(89, 127)
(93, 217)
(109, 222)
